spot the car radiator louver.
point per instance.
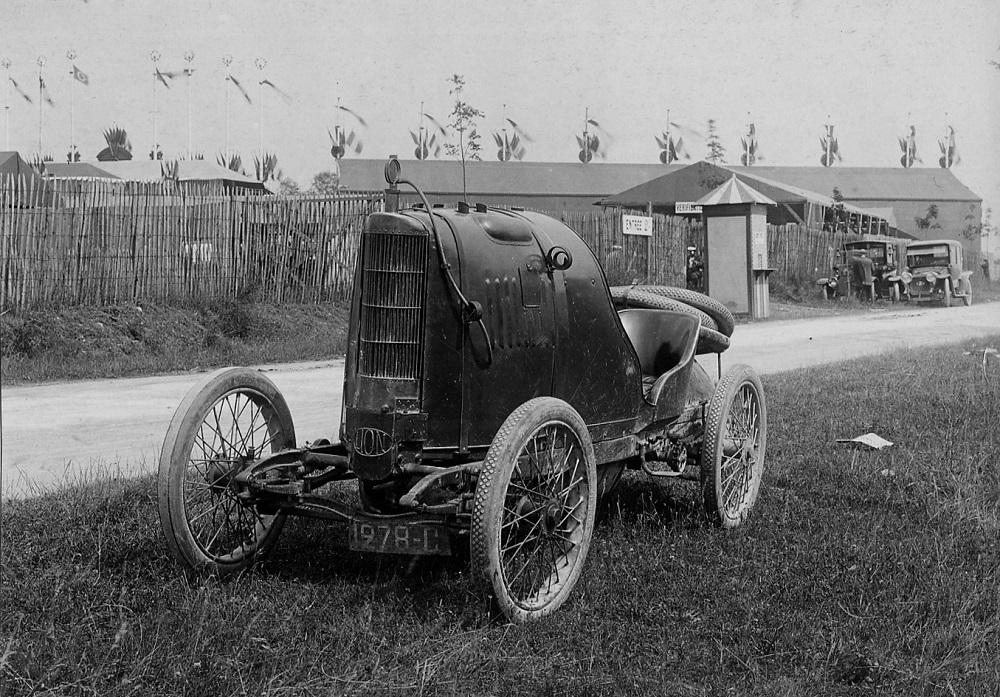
(393, 280)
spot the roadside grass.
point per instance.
(122, 340)
(859, 573)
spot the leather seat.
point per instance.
(662, 339)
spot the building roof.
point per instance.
(872, 183)
(149, 171)
(692, 182)
(598, 180)
(522, 178)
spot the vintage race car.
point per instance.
(495, 390)
(937, 269)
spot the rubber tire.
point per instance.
(826, 293)
(894, 293)
(725, 513)
(946, 296)
(709, 340)
(713, 308)
(491, 494)
(175, 455)
(967, 298)
(626, 296)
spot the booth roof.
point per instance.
(734, 191)
(690, 183)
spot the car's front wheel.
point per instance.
(946, 293)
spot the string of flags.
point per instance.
(511, 139)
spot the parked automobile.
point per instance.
(493, 393)
(886, 279)
(938, 271)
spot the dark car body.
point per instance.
(938, 272)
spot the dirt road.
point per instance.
(57, 430)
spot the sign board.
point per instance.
(637, 225)
(686, 207)
(758, 240)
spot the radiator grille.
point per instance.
(392, 305)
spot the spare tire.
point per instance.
(626, 296)
(710, 340)
(713, 308)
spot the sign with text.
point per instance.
(686, 207)
(637, 225)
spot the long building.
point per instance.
(903, 197)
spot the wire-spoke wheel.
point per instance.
(231, 418)
(534, 509)
(732, 455)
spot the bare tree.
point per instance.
(463, 120)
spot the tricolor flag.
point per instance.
(240, 88)
(949, 150)
(44, 92)
(354, 114)
(80, 76)
(163, 77)
(21, 92)
(284, 95)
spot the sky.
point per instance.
(871, 68)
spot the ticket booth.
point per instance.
(736, 264)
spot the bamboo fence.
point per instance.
(627, 259)
(95, 242)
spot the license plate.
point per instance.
(398, 537)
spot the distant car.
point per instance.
(887, 282)
(938, 272)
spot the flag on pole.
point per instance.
(949, 150)
(80, 76)
(44, 91)
(163, 77)
(240, 88)
(284, 95)
(21, 92)
(354, 114)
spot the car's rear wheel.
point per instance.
(967, 298)
(732, 454)
(534, 509)
(894, 292)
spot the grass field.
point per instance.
(122, 340)
(859, 573)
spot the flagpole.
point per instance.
(586, 138)
(155, 57)
(227, 61)
(6, 101)
(41, 64)
(71, 56)
(261, 63)
(189, 57)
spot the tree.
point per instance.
(463, 120)
(325, 183)
(288, 186)
(716, 151)
(930, 219)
